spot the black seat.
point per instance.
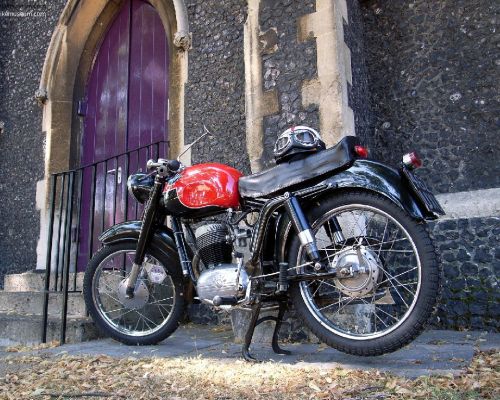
(288, 174)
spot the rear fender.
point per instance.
(380, 178)
(366, 175)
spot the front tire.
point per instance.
(388, 304)
(153, 314)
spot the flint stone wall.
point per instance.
(23, 45)
(215, 91)
(433, 87)
(471, 262)
(286, 68)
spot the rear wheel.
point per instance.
(152, 314)
(388, 275)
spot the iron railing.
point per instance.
(84, 202)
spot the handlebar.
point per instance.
(170, 165)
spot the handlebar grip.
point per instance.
(152, 164)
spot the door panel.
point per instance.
(127, 109)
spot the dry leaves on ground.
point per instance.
(202, 378)
(22, 348)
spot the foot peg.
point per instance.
(224, 301)
(254, 321)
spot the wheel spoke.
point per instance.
(119, 275)
(114, 298)
(117, 309)
(395, 276)
(122, 315)
(380, 319)
(319, 286)
(344, 305)
(147, 319)
(389, 315)
(398, 251)
(395, 288)
(397, 281)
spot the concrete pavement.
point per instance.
(434, 352)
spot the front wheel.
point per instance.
(153, 313)
(388, 275)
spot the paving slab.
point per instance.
(432, 353)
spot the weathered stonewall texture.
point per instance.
(471, 262)
(358, 91)
(433, 73)
(215, 92)
(23, 44)
(286, 68)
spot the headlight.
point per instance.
(139, 186)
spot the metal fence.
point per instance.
(84, 202)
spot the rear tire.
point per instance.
(309, 301)
(121, 328)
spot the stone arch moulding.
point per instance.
(68, 62)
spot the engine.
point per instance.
(214, 244)
(220, 277)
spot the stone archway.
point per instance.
(67, 65)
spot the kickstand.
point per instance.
(254, 321)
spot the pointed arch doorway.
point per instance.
(125, 118)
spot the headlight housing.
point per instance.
(139, 186)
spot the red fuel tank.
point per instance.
(204, 186)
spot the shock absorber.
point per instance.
(303, 229)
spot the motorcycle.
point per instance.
(340, 236)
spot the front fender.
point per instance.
(377, 177)
(163, 237)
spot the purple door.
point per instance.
(126, 119)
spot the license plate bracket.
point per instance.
(423, 193)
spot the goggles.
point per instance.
(299, 136)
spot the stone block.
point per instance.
(31, 303)
(26, 330)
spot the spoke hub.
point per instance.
(141, 295)
(358, 271)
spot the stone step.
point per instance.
(31, 303)
(34, 281)
(26, 329)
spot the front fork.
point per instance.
(147, 222)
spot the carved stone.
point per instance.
(182, 40)
(41, 96)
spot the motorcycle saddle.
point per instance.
(289, 174)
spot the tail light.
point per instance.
(361, 151)
(412, 160)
